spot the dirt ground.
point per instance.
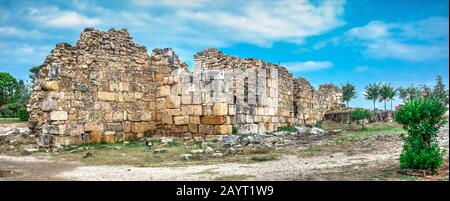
(346, 156)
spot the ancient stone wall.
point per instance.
(310, 105)
(102, 89)
(106, 88)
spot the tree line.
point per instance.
(385, 92)
(14, 94)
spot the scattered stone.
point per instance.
(166, 140)
(281, 133)
(334, 132)
(317, 131)
(302, 130)
(207, 144)
(208, 150)
(30, 150)
(11, 147)
(197, 151)
(186, 156)
(231, 139)
(158, 151)
(198, 139)
(217, 155)
(259, 138)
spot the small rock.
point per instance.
(197, 151)
(186, 156)
(226, 145)
(117, 147)
(31, 150)
(208, 150)
(302, 130)
(259, 138)
(126, 142)
(317, 131)
(11, 147)
(280, 133)
(230, 139)
(217, 155)
(166, 140)
(157, 151)
(207, 144)
(148, 143)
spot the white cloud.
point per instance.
(21, 33)
(421, 40)
(53, 17)
(307, 66)
(371, 31)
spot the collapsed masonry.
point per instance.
(107, 88)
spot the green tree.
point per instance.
(409, 93)
(359, 115)
(387, 92)
(9, 89)
(439, 90)
(34, 73)
(372, 92)
(348, 92)
(24, 93)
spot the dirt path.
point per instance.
(289, 167)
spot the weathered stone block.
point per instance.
(220, 109)
(93, 127)
(222, 129)
(163, 91)
(181, 120)
(95, 137)
(213, 120)
(114, 126)
(173, 101)
(206, 129)
(107, 96)
(194, 120)
(51, 85)
(58, 115)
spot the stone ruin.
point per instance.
(107, 88)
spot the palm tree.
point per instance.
(386, 93)
(372, 92)
(348, 92)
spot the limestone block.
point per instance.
(206, 129)
(173, 101)
(186, 99)
(107, 96)
(114, 126)
(220, 109)
(180, 129)
(193, 128)
(231, 109)
(222, 129)
(194, 120)
(58, 115)
(51, 85)
(214, 120)
(95, 137)
(62, 140)
(117, 116)
(93, 127)
(163, 91)
(181, 120)
(166, 118)
(146, 116)
(109, 138)
(49, 104)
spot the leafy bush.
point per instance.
(286, 128)
(421, 118)
(359, 115)
(234, 131)
(23, 114)
(9, 110)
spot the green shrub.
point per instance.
(358, 115)
(234, 131)
(9, 110)
(421, 118)
(23, 114)
(286, 128)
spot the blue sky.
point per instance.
(402, 42)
